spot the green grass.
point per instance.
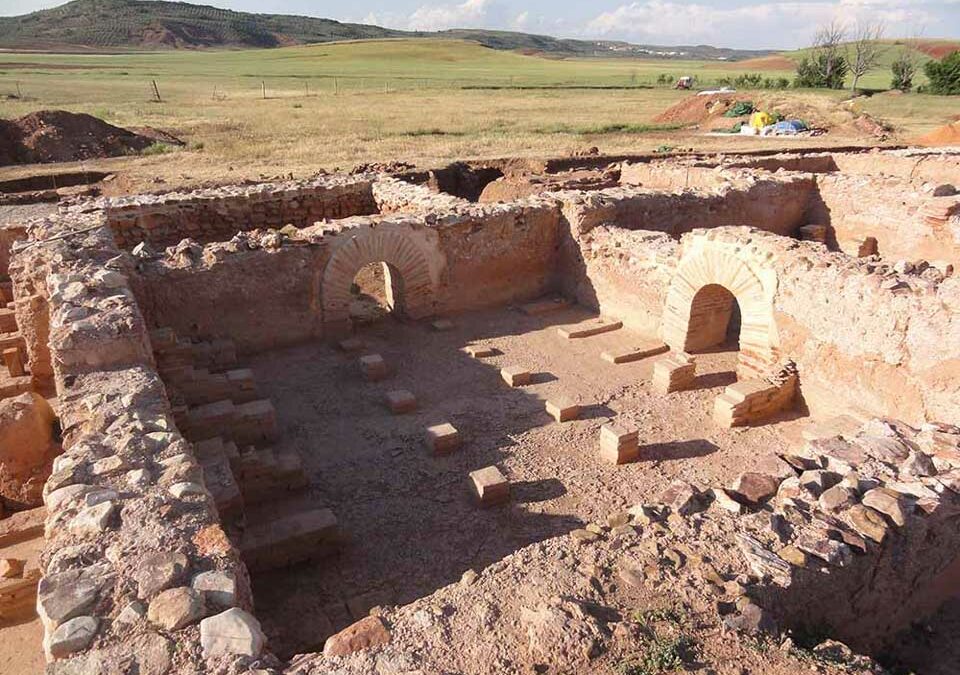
(424, 101)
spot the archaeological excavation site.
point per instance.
(594, 414)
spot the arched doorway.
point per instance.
(715, 296)
(394, 261)
(377, 291)
(714, 320)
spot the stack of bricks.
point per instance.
(939, 210)
(246, 424)
(676, 372)
(12, 347)
(619, 443)
(752, 401)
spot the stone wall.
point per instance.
(267, 289)
(130, 525)
(908, 223)
(219, 213)
(776, 205)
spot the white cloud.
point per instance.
(770, 24)
(468, 14)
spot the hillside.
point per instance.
(137, 24)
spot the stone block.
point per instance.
(545, 306)
(442, 325)
(480, 351)
(442, 439)
(515, 376)
(351, 345)
(8, 321)
(489, 486)
(283, 541)
(231, 633)
(674, 373)
(635, 353)
(367, 633)
(373, 367)
(11, 358)
(589, 328)
(401, 401)
(619, 444)
(563, 410)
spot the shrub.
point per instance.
(944, 75)
(156, 148)
(823, 71)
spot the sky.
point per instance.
(746, 24)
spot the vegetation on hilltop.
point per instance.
(138, 24)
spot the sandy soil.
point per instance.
(410, 525)
(21, 637)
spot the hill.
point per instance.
(138, 24)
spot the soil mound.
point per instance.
(61, 136)
(949, 134)
(698, 109)
(938, 49)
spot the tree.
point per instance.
(867, 50)
(904, 67)
(827, 65)
(944, 75)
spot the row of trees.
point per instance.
(838, 54)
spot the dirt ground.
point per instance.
(409, 523)
(20, 652)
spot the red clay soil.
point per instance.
(697, 109)
(948, 134)
(938, 50)
(60, 136)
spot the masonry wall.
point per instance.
(217, 214)
(908, 223)
(773, 205)
(274, 296)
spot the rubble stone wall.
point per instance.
(219, 213)
(129, 522)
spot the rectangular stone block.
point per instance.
(563, 410)
(515, 376)
(673, 373)
(480, 351)
(11, 358)
(401, 401)
(8, 321)
(545, 306)
(489, 486)
(589, 329)
(351, 344)
(442, 439)
(256, 422)
(281, 542)
(619, 444)
(373, 367)
(442, 325)
(636, 353)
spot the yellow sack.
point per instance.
(761, 119)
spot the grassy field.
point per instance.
(338, 104)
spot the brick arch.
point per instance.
(410, 287)
(698, 288)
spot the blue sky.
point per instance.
(727, 23)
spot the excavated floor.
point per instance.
(410, 525)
